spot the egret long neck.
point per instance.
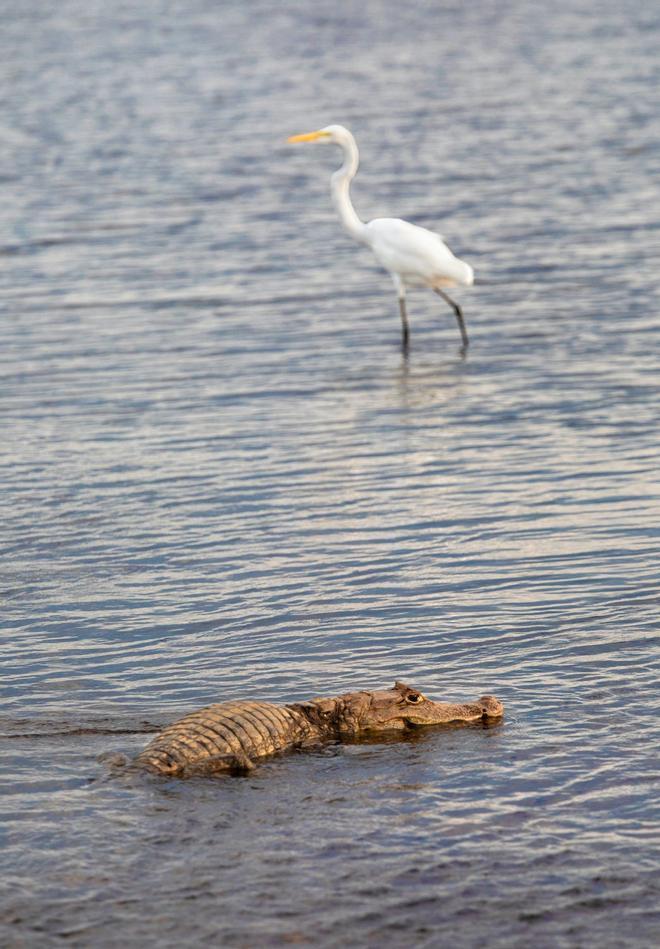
(340, 184)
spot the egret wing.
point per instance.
(416, 254)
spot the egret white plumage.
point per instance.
(413, 256)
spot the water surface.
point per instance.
(221, 477)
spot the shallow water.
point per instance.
(221, 478)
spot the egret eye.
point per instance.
(414, 697)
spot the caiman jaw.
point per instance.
(484, 709)
(411, 723)
(406, 708)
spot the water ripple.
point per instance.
(221, 478)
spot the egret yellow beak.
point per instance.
(308, 136)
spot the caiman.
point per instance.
(230, 736)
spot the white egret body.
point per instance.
(413, 256)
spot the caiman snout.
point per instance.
(491, 707)
(429, 712)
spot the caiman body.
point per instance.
(231, 736)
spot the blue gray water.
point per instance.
(222, 479)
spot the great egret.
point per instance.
(413, 256)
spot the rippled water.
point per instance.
(221, 478)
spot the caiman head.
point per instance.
(396, 709)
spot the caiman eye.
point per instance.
(414, 697)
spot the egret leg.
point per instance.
(401, 294)
(459, 315)
(404, 322)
